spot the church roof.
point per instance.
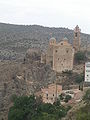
(52, 38)
(65, 38)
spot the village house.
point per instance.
(50, 94)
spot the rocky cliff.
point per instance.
(22, 78)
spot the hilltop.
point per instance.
(16, 39)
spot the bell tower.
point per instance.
(76, 41)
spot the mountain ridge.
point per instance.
(16, 39)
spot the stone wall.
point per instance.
(59, 55)
(63, 56)
(50, 94)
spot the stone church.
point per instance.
(61, 55)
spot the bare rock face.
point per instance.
(22, 79)
(25, 78)
(10, 84)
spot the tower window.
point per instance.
(75, 34)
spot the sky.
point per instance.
(50, 13)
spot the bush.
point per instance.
(31, 108)
(61, 96)
(80, 56)
(67, 98)
(79, 78)
(84, 112)
(86, 97)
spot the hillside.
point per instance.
(27, 77)
(16, 39)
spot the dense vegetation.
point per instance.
(84, 112)
(80, 56)
(32, 108)
(64, 97)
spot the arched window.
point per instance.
(75, 34)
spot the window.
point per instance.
(46, 96)
(51, 98)
(75, 34)
(53, 95)
(61, 43)
(67, 51)
(58, 58)
(56, 50)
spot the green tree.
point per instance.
(15, 114)
(79, 80)
(80, 56)
(24, 105)
(67, 98)
(61, 96)
(32, 108)
(48, 108)
(84, 112)
(86, 97)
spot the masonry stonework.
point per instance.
(76, 41)
(61, 55)
(50, 94)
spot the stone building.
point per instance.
(59, 55)
(76, 40)
(50, 94)
(63, 55)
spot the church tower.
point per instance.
(76, 41)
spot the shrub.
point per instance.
(67, 98)
(30, 108)
(80, 56)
